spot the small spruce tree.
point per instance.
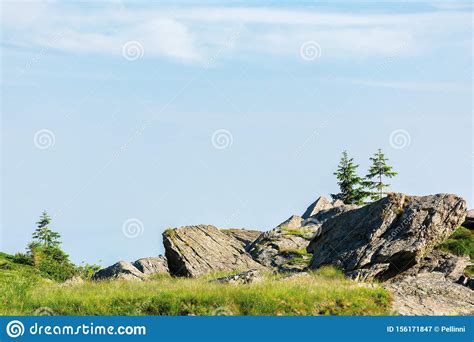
(350, 184)
(43, 235)
(46, 254)
(377, 171)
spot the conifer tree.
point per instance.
(350, 184)
(43, 235)
(377, 171)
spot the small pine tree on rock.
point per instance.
(377, 171)
(350, 184)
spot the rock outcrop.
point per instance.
(245, 236)
(152, 265)
(138, 270)
(192, 251)
(120, 270)
(469, 221)
(452, 266)
(387, 237)
(322, 203)
(284, 247)
(430, 294)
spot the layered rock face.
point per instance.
(152, 265)
(385, 238)
(192, 251)
(429, 293)
(120, 270)
(245, 236)
(284, 247)
(137, 270)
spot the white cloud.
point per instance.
(197, 34)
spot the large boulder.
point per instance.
(245, 236)
(430, 293)
(120, 270)
(469, 221)
(193, 251)
(385, 238)
(152, 265)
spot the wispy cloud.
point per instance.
(195, 34)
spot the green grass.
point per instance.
(461, 242)
(326, 292)
(296, 251)
(16, 283)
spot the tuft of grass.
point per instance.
(324, 292)
(169, 231)
(295, 251)
(461, 243)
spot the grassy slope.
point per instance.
(325, 292)
(16, 282)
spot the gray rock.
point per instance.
(283, 248)
(430, 294)
(245, 236)
(452, 266)
(469, 221)
(120, 270)
(193, 251)
(74, 281)
(152, 265)
(322, 203)
(385, 238)
(248, 277)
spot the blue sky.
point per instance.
(123, 119)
